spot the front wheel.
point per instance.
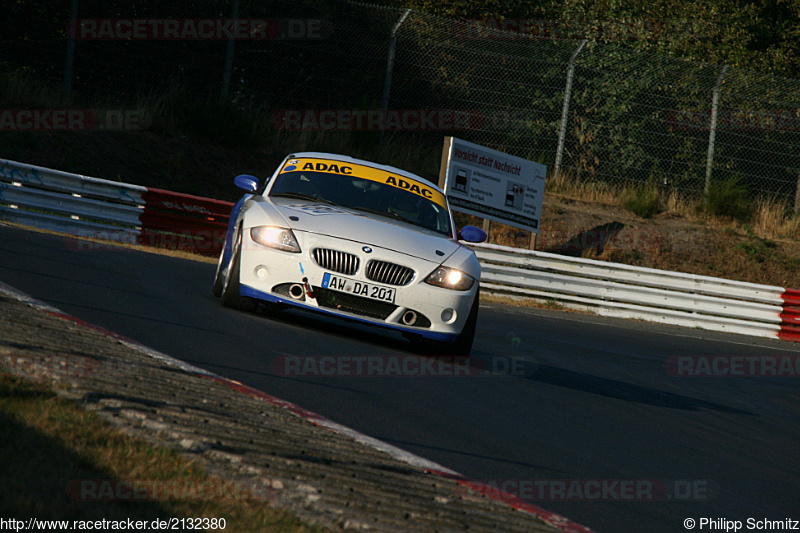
(231, 296)
(463, 343)
(219, 280)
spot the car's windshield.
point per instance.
(394, 197)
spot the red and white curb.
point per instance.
(552, 519)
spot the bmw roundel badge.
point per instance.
(367, 250)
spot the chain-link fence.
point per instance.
(590, 111)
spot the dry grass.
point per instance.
(48, 444)
(771, 218)
(585, 191)
(775, 219)
(24, 90)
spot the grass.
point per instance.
(222, 123)
(24, 90)
(643, 201)
(728, 198)
(586, 191)
(728, 206)
(524, 301)
(775, 219)
(48, 445)
(552, 304)
(756, 248)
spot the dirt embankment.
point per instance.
(668, 241)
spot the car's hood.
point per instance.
(361, 227)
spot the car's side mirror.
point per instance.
(247, 182)
(471, 234)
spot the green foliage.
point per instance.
(644, 201)
(552, 304)
(630, 82)
(222, 123)
(19, 87)
(762, 36)
(728, 198)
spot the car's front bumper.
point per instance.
(272, 275)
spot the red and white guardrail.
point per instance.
(790, 315)
(627, 291)
(86, 206)
(93, 207)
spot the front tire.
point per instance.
(231, 296)
(216, 290)
(463, 343)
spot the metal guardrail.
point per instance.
(75, 204)
(86, 206)
(93, 207)
(627, 291)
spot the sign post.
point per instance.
(493, 185)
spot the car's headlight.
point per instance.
(275, 237)
(450, 278)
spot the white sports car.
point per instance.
(354, 239)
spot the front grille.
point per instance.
(389, 273)
(354, 304)
(340, 262)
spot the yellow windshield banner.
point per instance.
(343, 168)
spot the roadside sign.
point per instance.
(493, 185)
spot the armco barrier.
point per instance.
(87, 206)
(176, 220)
(613, 289)
(93, 207)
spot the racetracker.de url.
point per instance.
(172, 524)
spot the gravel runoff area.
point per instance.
(295, 460)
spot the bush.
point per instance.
(728, 198)
(644, 201)
(222, 123)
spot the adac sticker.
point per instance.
(369, 173)
(334, 167)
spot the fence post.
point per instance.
(712, 133)
(387, 84)
(226, 74)
(797, 195)
(562, 132)
(73, 29)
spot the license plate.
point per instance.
(358, 288)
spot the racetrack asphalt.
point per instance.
(564, 402)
